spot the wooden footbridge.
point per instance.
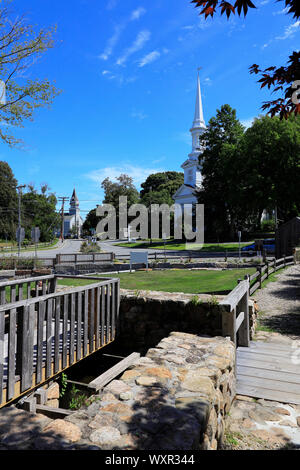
(43, 332)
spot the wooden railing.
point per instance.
(28, 288)
(76, 258)
(40, 337)
(263, 272)
(235, 315)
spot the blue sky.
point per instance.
(127, 70)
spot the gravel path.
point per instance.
(279, 306)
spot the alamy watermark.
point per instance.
(2, 92)
(152, 222)
(296, 93)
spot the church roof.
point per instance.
(74, 196)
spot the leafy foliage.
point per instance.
(92, 248)
(160, 187)
(20, 47)
(247, 172)
(280, 79)
(122, 187)
(270, 157)
(39, 210)
(223, 212)
(90, 222)
(8, 202)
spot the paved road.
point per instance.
(68, 246)
(73, 246)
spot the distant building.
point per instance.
(192, 168)
(186, 194)
(287, 237)
(72, 219)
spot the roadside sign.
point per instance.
(20, 234)
(35, 234)
(138, 257)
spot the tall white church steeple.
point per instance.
(186, 194)
(198, 127)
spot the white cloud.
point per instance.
(137, 173)
(111, 4)
(112, 41)
(139, 115)
(138, 44)
(280, 12)
(247, 122)
(207, 81)
(289, 31)
(184, 137)
(136, 14)
(147, 59)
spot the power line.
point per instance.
(19, 188)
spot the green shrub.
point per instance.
(14, 262)
(89, 248)
(268, 225)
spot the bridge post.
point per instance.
(244, 334)
(229, 323)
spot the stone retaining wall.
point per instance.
(82, 268)
(146, 317)
(174, 398)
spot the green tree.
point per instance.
(90, 222)
(270, 158)
(160, 187)
(114, 190)
(39, 210)
(20, 46)
(8, 202)
(220, 194)
(122, 187)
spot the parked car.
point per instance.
(268, 246)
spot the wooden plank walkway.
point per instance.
(266, 370)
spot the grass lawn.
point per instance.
(173, 245)
(40, 246)
(190, 282)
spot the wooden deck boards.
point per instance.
(267, 370)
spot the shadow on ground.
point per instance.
(287, 323)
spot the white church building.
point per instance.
(192, 168)
(73, 219)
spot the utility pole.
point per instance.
(150, 201)
(19, 188)
(63, 200)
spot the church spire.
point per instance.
(198, 118)
(74, 203)
(198, 127)
(74, 196)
